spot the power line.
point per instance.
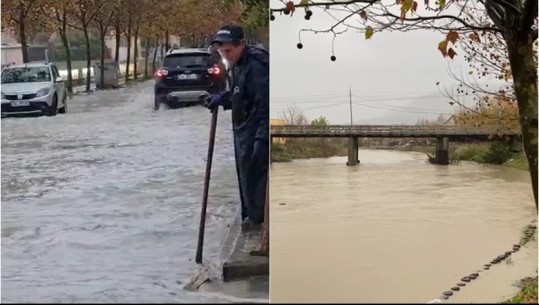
(417, 111)
(360, 94)
(316, 107)
(307, 100)
(400, 110)
(399, 93)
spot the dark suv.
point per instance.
(186, 74)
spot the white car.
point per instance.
(33, 88)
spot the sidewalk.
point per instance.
(239, 274)
(121, 84)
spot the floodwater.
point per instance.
(396, 229)
(102, 204)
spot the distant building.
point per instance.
(12, 51)
(277, 122)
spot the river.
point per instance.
(396, 229)
(102, 204)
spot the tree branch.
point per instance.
(332, 3)
(27, 9)
(109, 20)
(507, 5)
(495, 13)
(464, 23)
(76, 27)
(529, 15)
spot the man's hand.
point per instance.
(214, 100)
(260, 149)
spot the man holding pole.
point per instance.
(248, 98)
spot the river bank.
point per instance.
(527, 294)
(528, 285)
(294, 149)
(482, 153)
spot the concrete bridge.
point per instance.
(442, 133)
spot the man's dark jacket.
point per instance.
(248, 97)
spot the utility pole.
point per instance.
(351, 117)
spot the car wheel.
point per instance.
(157, 102)
(54, 108)
(64, 108)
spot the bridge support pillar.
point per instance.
(442, 151)
(353, 151)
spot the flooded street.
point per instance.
(102, 204)
(396, 229)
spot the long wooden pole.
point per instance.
(202, 225)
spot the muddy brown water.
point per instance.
(396, 229)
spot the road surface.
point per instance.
(102, 204)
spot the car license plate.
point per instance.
(187, 76)
(20, 103)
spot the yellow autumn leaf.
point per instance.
(305, 2)
(369, 32)
(442, 4)
(407, 5)
(442, 46)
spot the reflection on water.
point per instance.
(394, 229)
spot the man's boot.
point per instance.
(247, 225)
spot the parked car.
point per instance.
(186, 74)
(33, 88)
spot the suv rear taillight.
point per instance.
(160, 73)
(215, 70)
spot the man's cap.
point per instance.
(229, 33)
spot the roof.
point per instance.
(274, 122)
(187, 51)
(30, 65)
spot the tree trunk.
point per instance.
(128, 49)
(88, 56)
(162, 51)
(118, 42)
(102, 33)
(63, 36)
(135, 55)
(69, 86)
(156, 47)
(22, 36)
(524, 70)
(167, 47)
(146, 55)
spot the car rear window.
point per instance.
(187, 60)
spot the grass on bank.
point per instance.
(527, 294)
(528, 285)
(297, 148)
(484, 153)
(528, 234)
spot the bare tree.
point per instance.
(294, 116)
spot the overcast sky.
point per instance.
(385, 73)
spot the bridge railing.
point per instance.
(390, 129)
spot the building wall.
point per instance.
(277, 122)
(11, 54)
